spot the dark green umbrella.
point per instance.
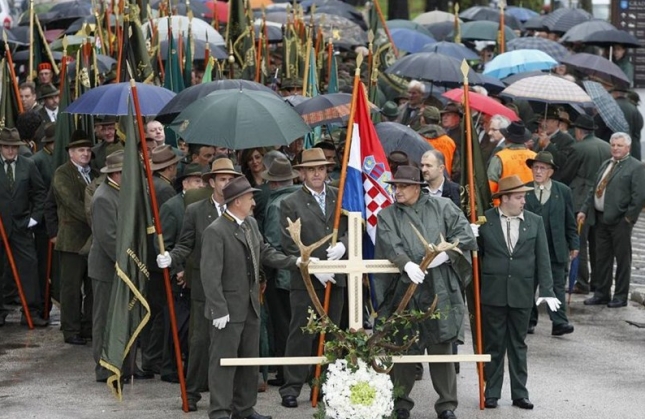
(239, 119)
(484, 30)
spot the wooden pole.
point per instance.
(387, 30)
(30, 73)
(157, 221)
(12, 71)
(16, 277)
(473, 219)
(337, 214)
(502, 27)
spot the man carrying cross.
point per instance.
(449, 273)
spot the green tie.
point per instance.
(9, 170)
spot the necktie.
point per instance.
(541, 190)
(249, 241)
(221, 209)
(509, 241)
(9, 170)
(320, 198)
(85, 172)
(603, 183)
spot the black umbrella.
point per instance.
(398, 137)
(11, 38)
(77, 25)
(343, 31)
(562, 20)
(441, 30)
(433, 67)
(598, 67)
(199, 9)
(193, 93)
(488, 13)
(332, 108)
(535, 23)
(345, 10)
(273, 31)
(582, 30)
(23, 56)
(66, 13)
(103, 62)
(610, 37)
(217, 51)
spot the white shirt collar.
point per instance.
(237, 220)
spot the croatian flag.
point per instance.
(367, 170)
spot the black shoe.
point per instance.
(276, 382)
(490, 403)
(577, 289)
(523, 403)
(169, 378)
(256, 415)
(289, 401)
(75, 340)
(595, 301)
(562, 329)
(192, 406)
(3, 318)
(138, 375)
(402, 414)
(531, 329)
(616, 303)
(418, 376)
(447, 414)
(36, 320)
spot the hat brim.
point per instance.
(591, 128)
(52, 94)
(314, 163)
(155, 167)
(78, 144)
(207, 176)
(266, 176)
(514, 138)
(529, 163)
(405, 182)
(14, 143)
(522, 188)
(112, 169)
(241, 193)
(187, 175)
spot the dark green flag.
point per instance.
(239, 37)
(64, 121)
(482, 190)
(134, 49)
(188, 57)
(173, 79)
(129, 311)
(9, 101)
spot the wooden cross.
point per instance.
(354, 267)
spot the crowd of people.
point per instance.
(561, 190)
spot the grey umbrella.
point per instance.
(582, 30)
(613, 36)
(607, 107)
(395, 136)
(564, 19)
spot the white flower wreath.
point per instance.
(360, 394)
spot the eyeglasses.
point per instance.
(540, 168)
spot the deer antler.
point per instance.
(294, 229)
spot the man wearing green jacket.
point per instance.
(447, 276)
(515, 253)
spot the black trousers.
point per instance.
(614, 242)
(23, 249)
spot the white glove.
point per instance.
(220, 323)
(336, 252)
(475, 228)
(414, 272)
(164, 260)
(552, 302)
(440, 259)
(32, 223)
(311, 259)
(325, 278)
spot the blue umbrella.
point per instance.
(519, 61)
(112, 99)
(410, 40)
(452, 49)
(521, 13)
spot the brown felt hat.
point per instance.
(47, 90)
(313, 157)
(542, 157)
(221, 166)
(408, 175)
(511, 184)
(162, 157)
(49, 133)
(10, 136)
(236, 188)
(105, 120)
(113, 162)
(191, 170)
(280, 171)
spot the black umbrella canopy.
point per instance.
(582, 30)
(535, 23)
(216, 51)
(598, 67)
(488, 13)
(76, 25)
(61, 15)
(339, 8)
(398, 137)
(562, 20)
(23, 56)
(193, 93)
(433, 67)
(441, 30)
(611, 37)
(343, 31)
(179, 8)
(104, 64)
(402, 23)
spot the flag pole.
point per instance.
(30, 73)
(14, 79)
(502, 27)
(473, 219)
(157, 221)
(387, 30)
(337, 214)
(16, 277)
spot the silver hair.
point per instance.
(624, 135)
(437, 155)
(502, 121)
(416, 84)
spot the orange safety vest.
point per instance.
(447, 147)
(513, 163)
